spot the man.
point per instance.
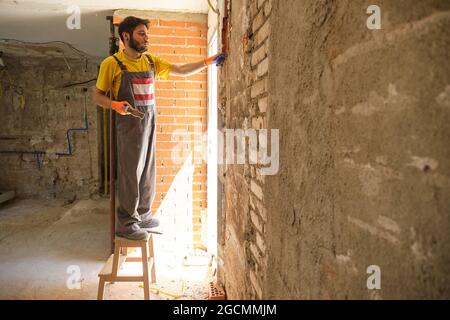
(130, 74)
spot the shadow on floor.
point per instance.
(54, 250)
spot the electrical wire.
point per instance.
(69, 131)
(77, 83)
(216, 11)
(17, 89)
(65, 60)
(49, 42)
(39, 154)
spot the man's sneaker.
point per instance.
(134, 235)
(149, 223)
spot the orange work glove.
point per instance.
(217, 60)
(119, 107)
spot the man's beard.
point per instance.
(135, 45)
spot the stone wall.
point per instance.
(36, 114)
(244, 102)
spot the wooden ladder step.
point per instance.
(124, 242)
(107, 268)
(148, 265)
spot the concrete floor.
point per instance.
(45, 245)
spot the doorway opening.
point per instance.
(212, 151)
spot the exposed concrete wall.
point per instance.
(36, 113)
(364, 174)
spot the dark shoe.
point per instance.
(134, 235)
(149, 223)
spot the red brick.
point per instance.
(188, 103)
(154, 40)
(169, 128)
(117, 19)
(170, 94)
(190, 85)
(167, 163)
(188, 51)
(191, 33)
(199, 179)
(170, 145)
(200, 25)
(165, 120)
(165, 102)
(200, 195)
(162, 49)
(154, 22)
(164, 154)
(196, 77)
(172, 112)
(199, 186)
(197, 94)
(167, 171)
(172, 23)
(198, 112)
(165, 85)
(180, 59)
(196, 42)
(164, 182)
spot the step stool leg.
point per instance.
(152, 255)
(145, 271)
(101, 289)
(115, 265)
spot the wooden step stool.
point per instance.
(110, 270)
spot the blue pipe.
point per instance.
(40, 153)
(86, 127)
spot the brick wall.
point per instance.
(181, 106)
(244, 94)
(259, 61)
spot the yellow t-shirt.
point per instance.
(110, 73)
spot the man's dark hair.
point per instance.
(129, 24)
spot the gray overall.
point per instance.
(136, 140)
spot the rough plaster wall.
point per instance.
(41, 123)
(364, 179)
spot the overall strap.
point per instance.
(151, 62)
(121, 65)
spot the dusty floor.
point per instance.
(45, 245)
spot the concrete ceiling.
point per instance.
(45, 21)
(49, 6)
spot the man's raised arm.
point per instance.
(189, 69)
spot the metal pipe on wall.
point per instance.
(105, 155)
(112, 172)
(69, 151)
(225, 42)
(112, 146)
